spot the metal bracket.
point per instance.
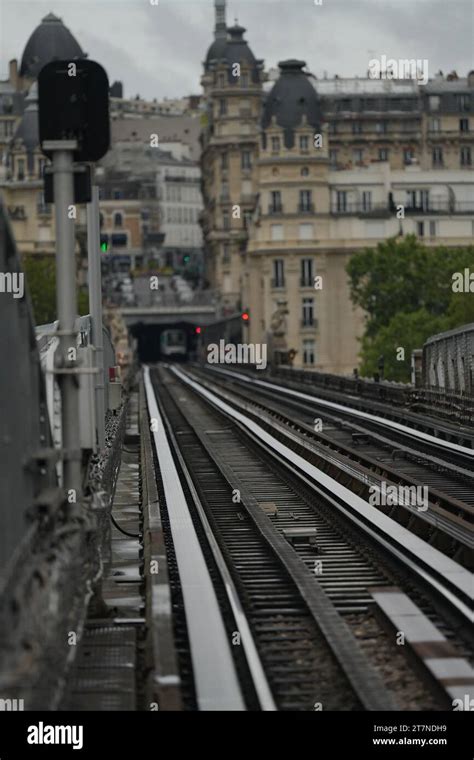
(73, 371)
(60, 145)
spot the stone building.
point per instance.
(21, 171)
(232, 83)
(330, 162)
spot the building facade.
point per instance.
(232, 83)
(332, 163)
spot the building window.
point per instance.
(304, 171)
(383, 154)
(463, 102)
(246, 159)
(244, 79)
(358, 155)
(20, 169)
(226, 220)
(118, 219)
(407, 156)
(304, 143)
(278, 273)
(356, 128)
(306, 201)
(117, 194)
(366, 200)
(226, 253)
(333, 158)
(435, 125)
(275, 202)
(434, 102)
(341, 200)
(277, 231)
(224, 161)
(308, 312)
(222, 106)
(221, 80)
(464, 125)
(309, 354)
(418, 199)
(307, 276)
(248, 215)
(381, 127)
(332, 127)
(275, 144)
(437, 156)
(465, 156)
(119, 240)
(306, 232)
(225, 191)
(420, 229)
(432, 229)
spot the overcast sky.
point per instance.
(157, 51)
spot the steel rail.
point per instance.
(412, 432)
(448, 578)
(257, 672)
(209, 643)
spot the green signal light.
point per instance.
(103, 247)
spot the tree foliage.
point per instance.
(40, 275)
(405, 290)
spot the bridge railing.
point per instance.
(25, 437)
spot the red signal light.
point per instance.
(245, 316)
(198, 331)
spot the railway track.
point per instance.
(302, 610)
(367, 459)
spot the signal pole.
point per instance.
(95, 307)
(66, 299)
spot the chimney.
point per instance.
(13, 73)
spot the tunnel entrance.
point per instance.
(176, 341)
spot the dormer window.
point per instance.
(304, 143)
(20, 169)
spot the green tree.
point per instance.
(403, 275)
(40, 275)
(406, 292)
(396, 341)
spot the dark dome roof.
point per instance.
(50, 41)
(232, 50)
(291, 97)
(217, 50)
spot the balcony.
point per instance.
(441, 207)
(375, 209)
(43, 209)
(306, 208)
(275, 209)
(306, 282)
(309, 322)
(278, 282)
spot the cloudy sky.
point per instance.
(157, 50)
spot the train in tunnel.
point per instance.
(168, 342)
(173, 344)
